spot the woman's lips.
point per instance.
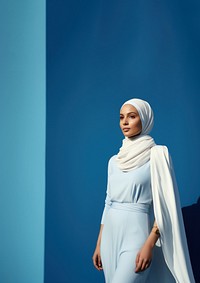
(126, 129)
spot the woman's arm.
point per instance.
(97, 256)
(144, 257)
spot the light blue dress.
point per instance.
(126, 219)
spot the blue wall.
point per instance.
(99, 54)
(22, 150)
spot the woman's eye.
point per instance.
(120, 117)
(132, 116)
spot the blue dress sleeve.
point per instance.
(108, 201)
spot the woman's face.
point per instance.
(130, 122)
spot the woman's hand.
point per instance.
(97, 258)
(144, 257)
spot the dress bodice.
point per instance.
(132, 186)
(127, 187)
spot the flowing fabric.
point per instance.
(168, 215)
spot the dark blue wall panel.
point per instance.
(99, 54)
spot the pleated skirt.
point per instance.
(126, 228)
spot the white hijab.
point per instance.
(136, 151)
(171, 261)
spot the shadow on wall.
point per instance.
(191, 215)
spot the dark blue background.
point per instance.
(99, 54)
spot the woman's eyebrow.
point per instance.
(129, 113)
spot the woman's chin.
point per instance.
(129, 135)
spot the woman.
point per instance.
(130, 248)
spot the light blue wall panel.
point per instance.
(22, 140)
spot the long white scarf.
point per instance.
(134, 152)
(168, 215)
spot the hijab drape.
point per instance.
(168, 215)
(136, 151)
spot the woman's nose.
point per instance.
(125, 121)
